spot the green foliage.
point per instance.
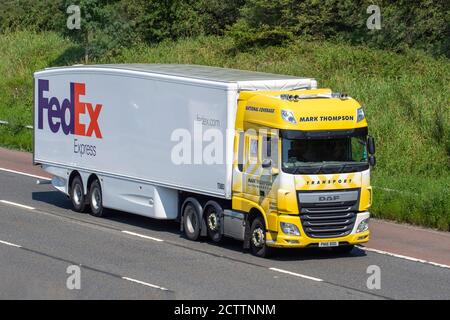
(21, 54)
(40, 15)
(155, 20)
(416, 200)
(107, 26)
(110, 25)
(104, 29)
(423, 24)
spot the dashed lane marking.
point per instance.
(142, 236)
(296, 274)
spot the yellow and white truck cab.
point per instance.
(303, 160)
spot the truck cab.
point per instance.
(302, 169)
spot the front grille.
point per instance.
(328, 220)
(328, 225)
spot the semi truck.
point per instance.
(268, 159)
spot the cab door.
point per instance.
(269, 179)
(252, 169)
(260, 172)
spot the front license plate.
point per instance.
(328, 244)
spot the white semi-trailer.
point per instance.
(162, 141)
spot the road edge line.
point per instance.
(10, 244)
(17, 205)
(24, 174)
(405, 257)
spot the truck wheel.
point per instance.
(77, 195)
(96, 199)
(343, 249)
(191, 222)
(258, 245)
(213, 223)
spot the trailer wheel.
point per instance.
(96, 199)
(191, 222)
(258, 245)
(77, 194)
(213, 221)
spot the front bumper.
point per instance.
(279, 239)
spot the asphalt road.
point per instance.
(124, 256)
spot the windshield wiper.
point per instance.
(322, 168)
(343, 167)
(354, 166)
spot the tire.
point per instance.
(213, 223)
(77, 195)
(96, 199)
(258, 245)
(343, 249)
(191, 222)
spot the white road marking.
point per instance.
(17, 204)
(10, 244)
(24, 174)
(142, 236)
(295, 274)
(145, 283)
(405, 257)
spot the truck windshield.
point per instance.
(313, 156)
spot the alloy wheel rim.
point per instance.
(77, 194)
(212, 221)
(258, 237)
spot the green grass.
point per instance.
(20, 55)
(406, 98)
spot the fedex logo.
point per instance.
(56, 111)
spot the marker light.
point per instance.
(289, 228)
(363, 226)
(288, 116)
(360, 114)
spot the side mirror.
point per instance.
(266, 163)
(372, 161)
(371, 145)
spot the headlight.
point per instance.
(360, 114)
(363, 226)
(288, 116)
(289, 228)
